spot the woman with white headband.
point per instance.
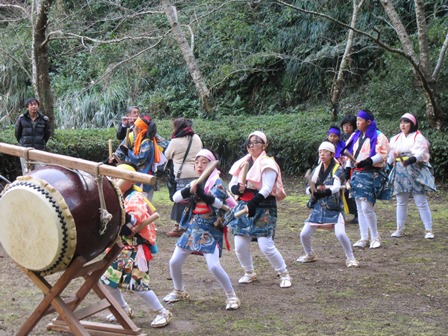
(327, 205)
(411, 174)
(202, 234)
(258, 192)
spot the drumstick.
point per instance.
(310, 182)
(145, 223)
(93, 168)
(244, 170)
(110, 148)
(126, 142)
(238, 214)
(206, 173)
(225, 207)
(350, 156)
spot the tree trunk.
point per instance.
(40, 64)
(339, 81)
(420, 63)
(188, 55)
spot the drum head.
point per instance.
(36, 227)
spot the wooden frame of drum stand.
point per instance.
(70, 320)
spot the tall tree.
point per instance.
(187, 52)
(339, 80)
(418, 60)
(37, 15)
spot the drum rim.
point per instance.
(66, 220)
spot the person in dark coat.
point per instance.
(32, 130)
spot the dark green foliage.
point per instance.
(293, 139)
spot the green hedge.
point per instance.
(293, 140)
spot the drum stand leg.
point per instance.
(70, 320)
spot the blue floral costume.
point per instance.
(201, 234)
(327, 209)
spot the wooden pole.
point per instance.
(110, 148)
(91, 167)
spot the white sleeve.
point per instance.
(269, 177)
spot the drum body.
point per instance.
(53, 215)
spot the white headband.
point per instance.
(327, 146)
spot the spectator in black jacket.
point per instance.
(32, 129)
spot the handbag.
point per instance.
(171, 181)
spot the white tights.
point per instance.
(339, 231)
(180, 255)
(267, 247)
(421, 201)
(367, 220)
(149, 297)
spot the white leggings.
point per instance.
(267, 247)
(367, 220)
(339, 231)
(421, 201)
(177, 261)
(149, 297)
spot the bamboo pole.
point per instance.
(91, 167)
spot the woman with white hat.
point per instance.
(258, 192)
(411, 174)
(327, 205)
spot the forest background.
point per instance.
(289, 68)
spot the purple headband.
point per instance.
(364, 115)
(335, 131)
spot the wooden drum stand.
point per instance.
(70, 320)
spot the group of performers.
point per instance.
(256, 184)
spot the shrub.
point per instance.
(293, 140)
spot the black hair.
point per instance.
(152, 129)
(31, 100)
(130, 108)
(246, 143)
(414, 128)
(349, 119)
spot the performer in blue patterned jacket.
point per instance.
(327, 205)
(203, 232)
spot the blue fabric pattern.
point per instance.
(370, 185)
(263, 224)
(327, 209)
(200, 234)
(415, 178)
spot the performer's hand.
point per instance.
(321, 194)
(124, 149)
(241, 188)
(209, 199)
(253, 204)
(364, 163)
(235, 189)
(347, 172)
(410, 161)
(186, 192)
(125, 230)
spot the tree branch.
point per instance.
(438, 66)
(111, 69)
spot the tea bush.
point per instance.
(293, 140)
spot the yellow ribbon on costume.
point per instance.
(402, 158)
(151, 207)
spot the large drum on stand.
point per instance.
(55, 214)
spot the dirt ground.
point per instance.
(399, 289)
